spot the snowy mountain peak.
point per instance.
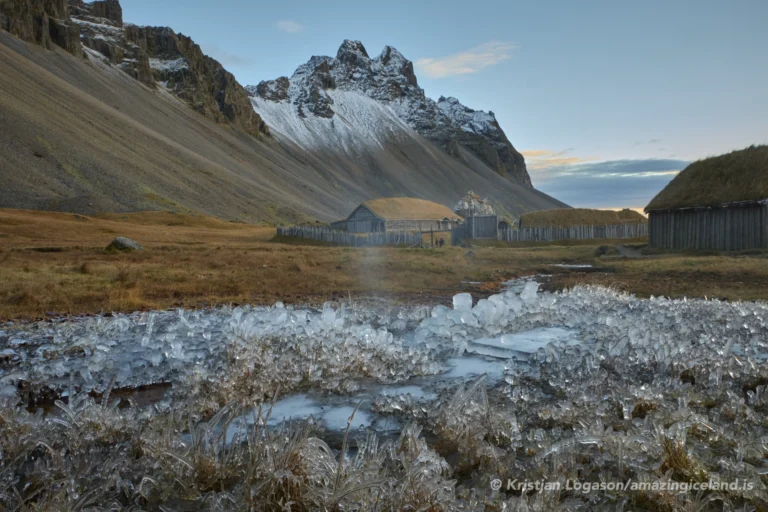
(388, 79)
(351, 50)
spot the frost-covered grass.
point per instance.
(654, 391)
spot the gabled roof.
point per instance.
(739, 176)
(409, 208)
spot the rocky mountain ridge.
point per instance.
(45, 22)
(389, 79)
(113, 125)
(155, 56)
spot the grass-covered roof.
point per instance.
(736, 176)
(409, 208)
(565, 217)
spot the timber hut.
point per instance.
(719, 203)
(399, 214)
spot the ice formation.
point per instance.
(587, 383)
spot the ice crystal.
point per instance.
(280, 405)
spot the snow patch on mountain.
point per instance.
(169, 66)
(105, 26)
(359, 121)
(473, 121)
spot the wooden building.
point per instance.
(725, 227)
(719, 203)
(399, 214)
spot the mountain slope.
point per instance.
(83, 135)
(305, 105)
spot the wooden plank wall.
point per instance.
(574, 233)
(345, 238)
(363, 220)
(482, 226)
(424, 226)
(726, 228)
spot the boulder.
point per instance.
(122, 244)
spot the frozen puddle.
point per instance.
(336, 418)
(300, 408)
(468, 368)
(416, 392)
(508, 345)
(334, 413)
(297, 407)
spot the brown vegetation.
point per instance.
(56, 262)
(733, 277)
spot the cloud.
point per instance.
(608, 184)
(469, 61)
(650, 142)
(536, 159)
(289, 26)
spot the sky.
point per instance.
(607, 100)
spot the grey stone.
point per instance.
(122, 243)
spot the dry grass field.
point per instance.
(56, 263)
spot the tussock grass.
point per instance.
(683, 466)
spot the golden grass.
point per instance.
(564, 217)
(736, 176)
(56, 262)
(732, 277)
(409, 208)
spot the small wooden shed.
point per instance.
(400, 214)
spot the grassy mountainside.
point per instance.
(578, 217)
(82, 136)
(736, 176)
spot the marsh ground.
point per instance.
(55, 263)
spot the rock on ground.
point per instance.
(122, 243)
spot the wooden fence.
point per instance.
(476, 226)
(551, 234)
(351, 239)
